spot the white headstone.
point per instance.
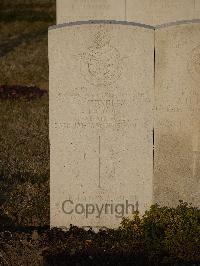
(155, 12)
(101, 123)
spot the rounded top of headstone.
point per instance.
(151, 12)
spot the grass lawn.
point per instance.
(24, 137)
(24, 153)
(23, 41)
(24, 160)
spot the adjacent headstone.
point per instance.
(197, 9)
(177, 118)
(83, 10)
(151, 12)
(155, 12)
(101, 123)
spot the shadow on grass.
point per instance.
(26, 15)
(7, 46)
(17, 91)
(29, 11)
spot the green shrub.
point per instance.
(172, 234)
(163, 235)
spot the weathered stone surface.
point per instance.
(80, 10)
(177, 118)
(156, 12)
(101, 121)
(151, 12)
(197, 8)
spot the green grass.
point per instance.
(24, 160)
(27, 10)
(27, 64)
(24, 142)
(24, 137)
(23, 43)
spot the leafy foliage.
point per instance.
(171, 233)
(161, 236)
